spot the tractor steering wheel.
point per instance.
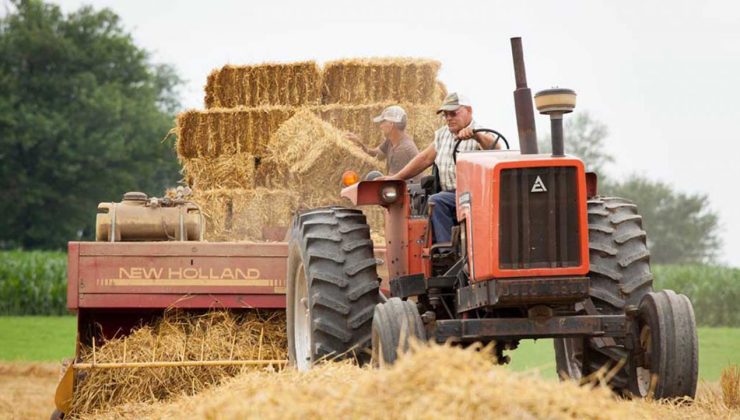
(499, 136)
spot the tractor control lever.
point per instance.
(499, 136)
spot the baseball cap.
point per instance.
(393, 113)
(454, 101)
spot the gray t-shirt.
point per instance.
(396, 157)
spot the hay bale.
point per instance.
(375, 216)
(178, 336)
(217, 132)
(225, 171)
(222, 131)
(441, 91)
(372, 80)
(293, 84)
(353, 81)
(422, 121)
(309, 156)
(242, 214)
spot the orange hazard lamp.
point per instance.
(350, 178)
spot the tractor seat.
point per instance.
(442, 245)
(440, 249)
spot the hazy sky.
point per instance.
(664, 76)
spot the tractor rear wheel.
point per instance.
(620, 277)
(394, 323)
(666, 336)
(332, 286)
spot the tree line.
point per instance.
(83, 111)
(681, 227)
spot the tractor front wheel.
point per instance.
(395, 322)
(665, 336)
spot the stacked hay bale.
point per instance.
(241, 213)
(295, 84)
(422, 120)
(358, 81)
(221, 132)
(237, 153)
(309, 155)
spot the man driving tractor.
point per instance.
(458, 114)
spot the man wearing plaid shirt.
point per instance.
(458, 113)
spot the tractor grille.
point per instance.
(538, 219)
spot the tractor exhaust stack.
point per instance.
(523, 102)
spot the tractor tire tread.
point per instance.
(620, 276)
(337, 256)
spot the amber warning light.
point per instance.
(350, 178)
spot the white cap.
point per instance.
(393, 113)
(454, 101)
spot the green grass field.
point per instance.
(718, 347)
(37, 338)
(48, 338)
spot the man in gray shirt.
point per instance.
(398, 148)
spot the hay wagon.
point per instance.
(148, 259)
(150, 254)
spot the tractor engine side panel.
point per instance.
(524, 216)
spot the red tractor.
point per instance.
(537, 254)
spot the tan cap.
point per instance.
(454, 101)
(393, 113)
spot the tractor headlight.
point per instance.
(389, 194)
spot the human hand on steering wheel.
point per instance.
(471, 134)
(466, 133)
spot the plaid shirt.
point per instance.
(444, 143)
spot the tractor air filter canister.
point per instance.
(139, 218)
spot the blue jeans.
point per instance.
(443, 215)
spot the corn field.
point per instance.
(713, 290)
(35, 283)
